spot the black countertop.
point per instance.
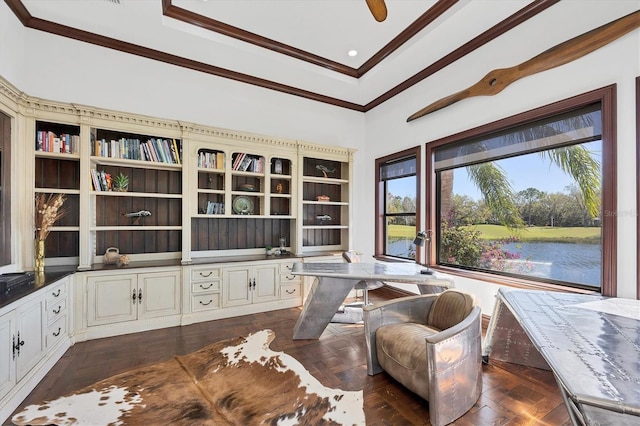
(50, 276)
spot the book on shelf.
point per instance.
(220, 160)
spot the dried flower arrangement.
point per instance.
(48, 211)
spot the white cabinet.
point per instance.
(7, 338)
(290, 285)
(118, 297)
(244, 285)
(26, 352)
(29, 339)
(205, 288)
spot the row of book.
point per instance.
(247, 163)
(211, 160)
(48, 141)
(101, 180)
(214, 208)
(156, 150)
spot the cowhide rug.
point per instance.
(234, 382)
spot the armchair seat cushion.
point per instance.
(402, 353)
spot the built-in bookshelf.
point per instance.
(57, 171)
(245, 203)
(193, 191)
(147, 217)
(325, 204)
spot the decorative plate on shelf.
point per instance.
(247, 187)
(242, 205)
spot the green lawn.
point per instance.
(534, 233)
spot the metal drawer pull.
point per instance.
(205, 276)
(291, 277)
(58, 311)
(140, 296)
(56, 294)
(134, 296)
(58, 332)
(206, 288)
(205, 304)
(290, 292)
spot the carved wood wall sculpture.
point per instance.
(495, 81)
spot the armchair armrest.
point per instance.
(455, 369)
(403, 309)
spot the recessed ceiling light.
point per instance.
(352, 52)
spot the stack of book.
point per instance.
(248, 163)
(211, 160)
(47, 141)
(156, 150)
(214, 208)
(101, 180)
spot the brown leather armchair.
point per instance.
(432, 345)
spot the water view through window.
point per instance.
(525, 201)
(559, 239)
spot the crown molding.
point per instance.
(527, 12)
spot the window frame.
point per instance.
(380, 200)
(607, 98)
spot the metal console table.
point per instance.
(590, 343)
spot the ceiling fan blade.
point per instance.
(378, 9)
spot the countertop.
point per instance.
(50, 276)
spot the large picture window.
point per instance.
(527, 201)
(398, 204)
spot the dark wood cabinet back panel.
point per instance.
(57, 173)
(137, 242)
(231, 233)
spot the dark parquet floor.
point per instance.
(511, 395)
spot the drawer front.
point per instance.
(56, 292)
(290, 291)
(202, 286)
(205, 302)
(56, 331)
(203, 274)
(289, 279)
(286, 268)
(56, 309)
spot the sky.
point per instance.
(531, 171)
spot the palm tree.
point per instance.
(575, 160)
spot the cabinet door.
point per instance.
(266, 283)
(111, 299)
(29, 326)
(236, 288)
(7, 367)
(158, 294)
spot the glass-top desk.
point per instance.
(336, 280)
(590, 342)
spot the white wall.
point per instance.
(617, 63)
(66, 70)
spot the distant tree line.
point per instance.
(536, 208)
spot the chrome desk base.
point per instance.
(325, 297)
